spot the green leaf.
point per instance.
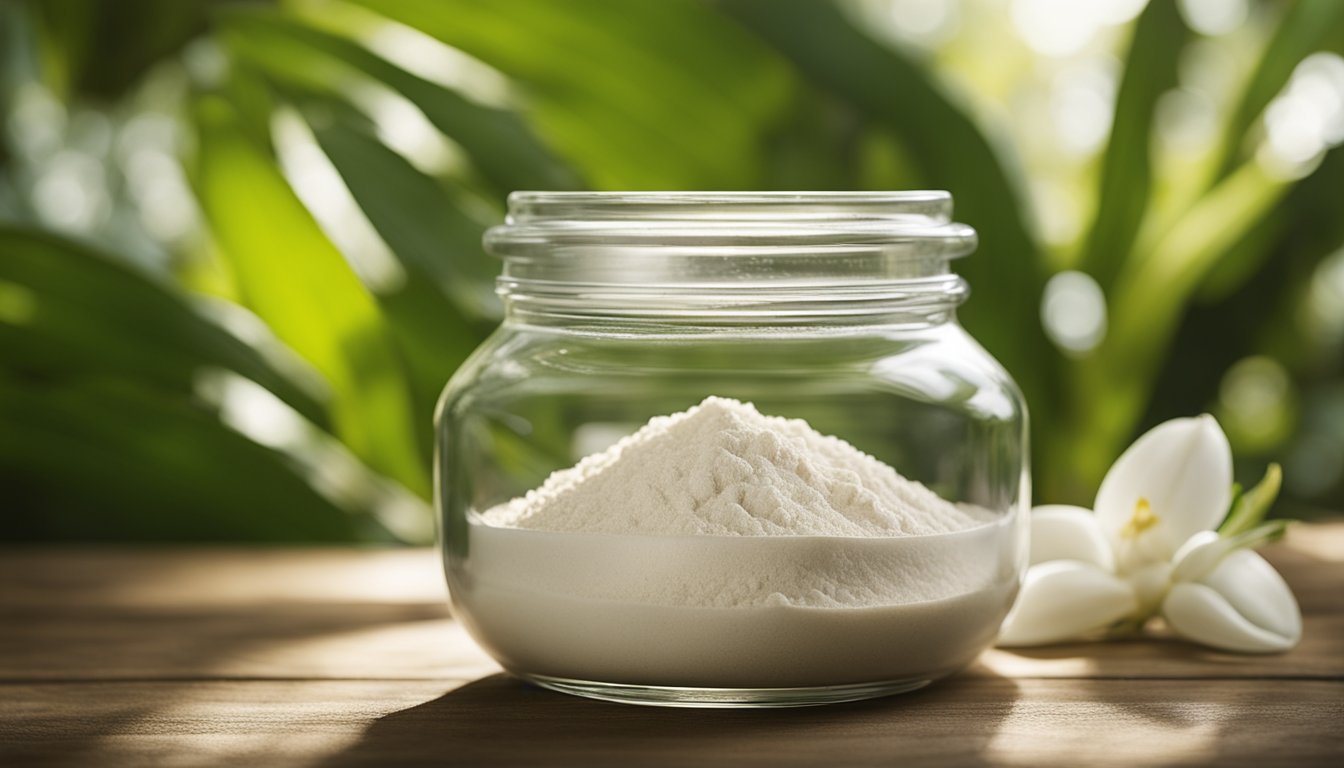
(430, 225)
(1147, 303)
(1250, 508)
(109, 461)
(1153, 289)
(437, 245)
(1307, 26)
(70, 312)
(294, 279)
(1237, 491)
(103, 49)
(1305, 223)
(498, 144)
(639, 94)
(1246, 256)
(423, 220)
(949, 152)
(1126, 169)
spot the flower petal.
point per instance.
(1198, 612)
(1199, 555)
(1182, 469)
(1065, 599)
(1150, 584)
(1257, 591)
(1061, 532)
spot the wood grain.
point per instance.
(346, 657)
(498, 721)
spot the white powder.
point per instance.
(722, 548)
(721, 468)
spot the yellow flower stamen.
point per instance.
(1142, 519)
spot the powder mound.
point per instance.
(722, 468)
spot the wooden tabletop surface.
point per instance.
(348, 657)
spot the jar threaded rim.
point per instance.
(740, 252)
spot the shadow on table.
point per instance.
(498, 720)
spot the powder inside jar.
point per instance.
(720, 547)
(722, 468)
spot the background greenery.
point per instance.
(239, 243)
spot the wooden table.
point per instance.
(347, 657)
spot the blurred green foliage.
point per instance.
(240, 243)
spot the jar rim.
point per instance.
(893, 224)
(730, 256)
(934, 205)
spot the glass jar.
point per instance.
(835, 308)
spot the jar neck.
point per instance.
(722, 260)
(929, 300)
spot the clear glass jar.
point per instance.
(836, 308)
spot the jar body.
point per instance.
(920, 395)
(837, 309)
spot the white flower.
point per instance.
(1150, 548)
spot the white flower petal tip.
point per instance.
(1060, 532)
(1198, 556)
(1065, 600)
(1243, 605)
(1172, 483)
(1258, 592)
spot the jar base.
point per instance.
(725, 698)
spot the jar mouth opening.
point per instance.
(891, 226)
(914, 207)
